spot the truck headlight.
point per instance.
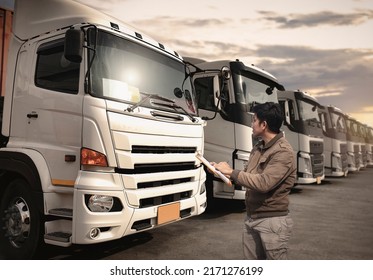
(203, 188)
(100, 203)
(304, 163)
(337, 161)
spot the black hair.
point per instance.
(271, 113)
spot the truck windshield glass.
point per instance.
(352, 127)
(250, 91)
(308, 112)
(128, 72)
(338, 122)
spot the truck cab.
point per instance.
(226, 92)
(354, 144)
(303, 130)
(100, 131)
(363, 145)
(335, 141)
(369, 144)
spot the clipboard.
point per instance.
(213, 169)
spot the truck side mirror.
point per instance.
(287, 112)
(226, 72)
(74, 39)
(216, 91)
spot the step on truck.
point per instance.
(226, 92)
(99, 131)
(302, 128)
(334, 129)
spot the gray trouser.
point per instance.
(267, 238)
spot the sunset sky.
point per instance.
(323, 47)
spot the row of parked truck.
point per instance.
(326, 141)
(101, 124)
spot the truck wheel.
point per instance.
(20, 222)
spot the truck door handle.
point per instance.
(32, 115)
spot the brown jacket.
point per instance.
(269, 176)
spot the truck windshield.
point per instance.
(308, 112)
(128, 72)
(370, 135)
(338, 122)
(250, 91)
(352, 127)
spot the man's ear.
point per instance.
(265, 124)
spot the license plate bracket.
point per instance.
(168, 213)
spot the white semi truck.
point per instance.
(369, 144)
(354, 143)
(302, 128)
(99, 131)
(363, 146)
(335, 141)
(226, 91)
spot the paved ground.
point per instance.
(333, 221)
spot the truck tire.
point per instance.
(20, 222)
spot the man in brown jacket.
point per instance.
(268, 178)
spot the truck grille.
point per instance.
(163, 183)
(344, 158)
(317, 162)
(157, 167)
(155, 159)
(317, 159)
(159, 200)
(162, 150)
(357, 156)
(316, 147)
(364, 154)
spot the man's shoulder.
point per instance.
(283, 143)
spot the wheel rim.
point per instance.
(17, 222)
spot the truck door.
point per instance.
(48, 108)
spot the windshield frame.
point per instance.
(155, 68)
(241, 94)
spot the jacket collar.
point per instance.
(262, 146)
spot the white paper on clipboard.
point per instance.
(213, 169)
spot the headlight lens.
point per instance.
(100, 203)
(203, 188)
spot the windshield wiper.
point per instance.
(313, 121)
(148, 96)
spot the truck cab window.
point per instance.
(54, 71)
(204, 93)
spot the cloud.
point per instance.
(317, 19)
(368, 109)
(341, 77)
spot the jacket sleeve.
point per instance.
(271, 171)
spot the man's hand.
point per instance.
(223, 167)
